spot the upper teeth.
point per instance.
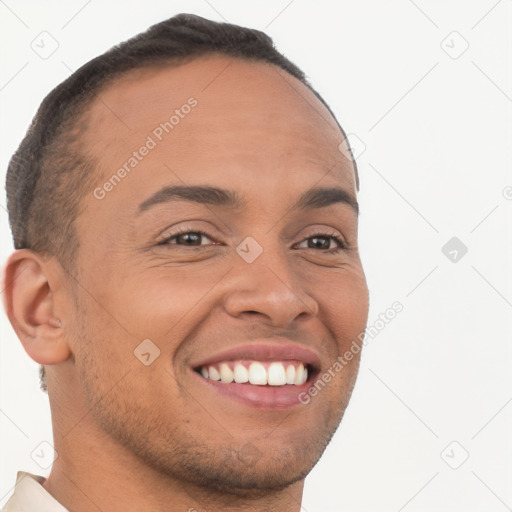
(257, 373)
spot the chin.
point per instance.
(257, 468)
(246, 478)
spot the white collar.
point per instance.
(30, 495)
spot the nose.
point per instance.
(271, 289)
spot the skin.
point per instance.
(134, 437)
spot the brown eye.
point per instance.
(319, 242)
(186, 239)
(323, 242)
(189, 238)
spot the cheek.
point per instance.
(111, 367)
(103, 343)
(148, 303)
(345, 311)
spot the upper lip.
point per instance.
(264, 350)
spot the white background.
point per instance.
(437, 164)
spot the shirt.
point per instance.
(30, 496)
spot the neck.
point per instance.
(95, 472)
(88, 483)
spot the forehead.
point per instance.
(215, 121)
(221, 84)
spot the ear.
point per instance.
(31, 282)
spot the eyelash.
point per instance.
(342, 245)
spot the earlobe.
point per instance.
(29, 299)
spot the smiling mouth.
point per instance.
(257, 373)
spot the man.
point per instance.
(186, 272)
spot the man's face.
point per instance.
(214, 300)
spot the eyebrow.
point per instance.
(312, 198)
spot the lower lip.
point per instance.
(262, 397)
